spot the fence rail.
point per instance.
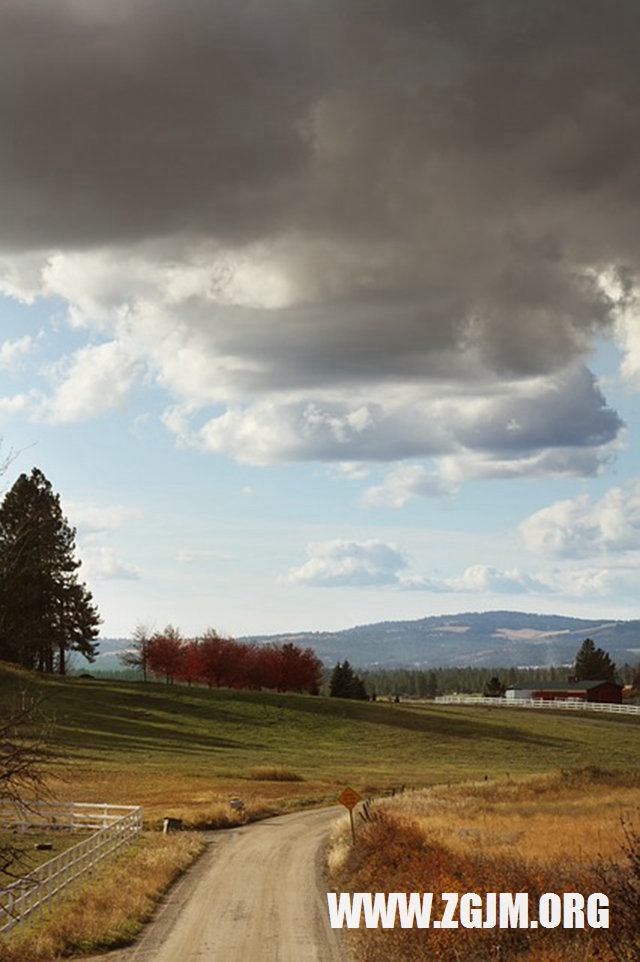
(69, 816)
(43, 888)
(573, 704)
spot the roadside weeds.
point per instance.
(487, 838)
(109, 911)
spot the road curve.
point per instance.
(256, 895)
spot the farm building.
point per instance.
(607, 692)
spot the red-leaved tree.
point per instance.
(214, 660)
(190, 662)
(165, 653)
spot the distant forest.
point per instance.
(428, 683)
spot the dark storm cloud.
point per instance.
(560, 414)
(441, 183)
(567, 415)
(151, 118)
(349, 117)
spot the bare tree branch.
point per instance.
(25, 756)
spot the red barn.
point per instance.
(604, 692)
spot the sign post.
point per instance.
(350, 798)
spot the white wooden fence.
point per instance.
(574, 704)
(43, 888)
(69, 816)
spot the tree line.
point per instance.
(429, 683)
(216, 661)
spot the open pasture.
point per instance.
(185, 751)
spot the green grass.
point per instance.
(155, 728)
(185, 751)
(29, 856)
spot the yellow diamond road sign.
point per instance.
(349, 798)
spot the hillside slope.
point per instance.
(154, 744)
(491, 638)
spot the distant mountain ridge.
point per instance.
(486, 639)
(491, 638)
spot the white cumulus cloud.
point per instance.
(404, 482)
(482, 579)
(581, 527)
(11, 352)
(96, 379)
(341, 563)
(103, 565)
(17, 403)
(356, 563)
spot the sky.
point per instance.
(322, 313)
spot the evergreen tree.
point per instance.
(357, 689)
(337, 682)
(494, 688)
(45, 612)
(346, 684)
(593, 664)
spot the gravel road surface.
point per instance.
(256, 895)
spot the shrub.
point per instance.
(622, 884)
(392, 855)
(274, 775)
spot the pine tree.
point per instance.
(593, 664)
(337, 681)
(346, 684)
(45, 612)
(494, 688)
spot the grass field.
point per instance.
(549, 833)
(184, 751)
(29, 856)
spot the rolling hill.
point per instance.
(505, 638)
(183, 751)
(490, 638)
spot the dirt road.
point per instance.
(256, 895)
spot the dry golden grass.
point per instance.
(339, 845)
(199, 802)
(550, 833)
(542, 819)
(109, 911)
(273, 775)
